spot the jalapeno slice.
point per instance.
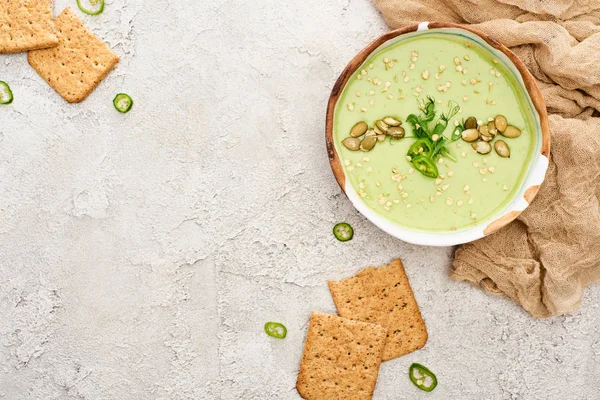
(422, 377)
(426, 166)
(123, 102)
(419, 148)
(276, 330)
(343, 232)
(6, 96)
(91, 7)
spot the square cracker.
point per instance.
(26, 25)
(79, 62)
(383, 296)
(341, 359)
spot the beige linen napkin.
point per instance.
(547, 256)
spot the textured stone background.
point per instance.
(141, 254)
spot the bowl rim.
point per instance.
(532, 183)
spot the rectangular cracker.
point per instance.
(79, 62)
(26, 25)
(383, 296)
(341, 359)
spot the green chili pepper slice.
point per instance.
(419, 148)
(426, 166)
(276, 330)
(123, 102)
(422, 377)
(343, 232)
(6, 96)
(91, 7)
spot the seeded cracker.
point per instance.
(79, 62)
(341, 359)
(383, 296)
(26, 25)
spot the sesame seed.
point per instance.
(442, 68)
(425, 75)
(371, 66)
(389, 203)
(505, 188)
(449, 201)
(365, 159)
(438, 181)
(459, 203)
(357, 94)
(386, 208)
(479, 122)
(485, 161)
(484, 180)
(495, 60)
(359, 77)
(456, 123)
(404, 195)
(370, 169)
(364, 72)
(363, 109)
(448, 84)
(483, 171)
(473, 81)
(408, 205)
(463, 82)
(459, 68)
(468, 192)
(411, 170)
(371, 102)
(445, 187)
(438, 193)
(350, 107)
(389, 96)
(396, 201)
(437, 75)
(465, 98)
(492, 170)
(441, 160)
(466, 188)
(406, 79)
(435, 137)
(419, 89)
(411, 66)
(498, 75)
(450, 174)
(400, 187)
(386, 60)
(473, 216)
(359, 165)
(475, 164)
(466, 57)
(463, 154)
(457, 61)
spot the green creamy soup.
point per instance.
(393, 82)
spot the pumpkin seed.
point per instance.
(391, 121)
(351, 143)
(511, 132)
(359, 129)
(483, 129)
(491, 126)
(383, 127)
(380, 138)
(378, 131)
(482, 147)
(371, 132)
(396, 132)
(470, 135)
(487, 138)
(471, 123)
(502, 148)
(501, 123)
(368, 143)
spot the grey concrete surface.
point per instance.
(141, 254)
